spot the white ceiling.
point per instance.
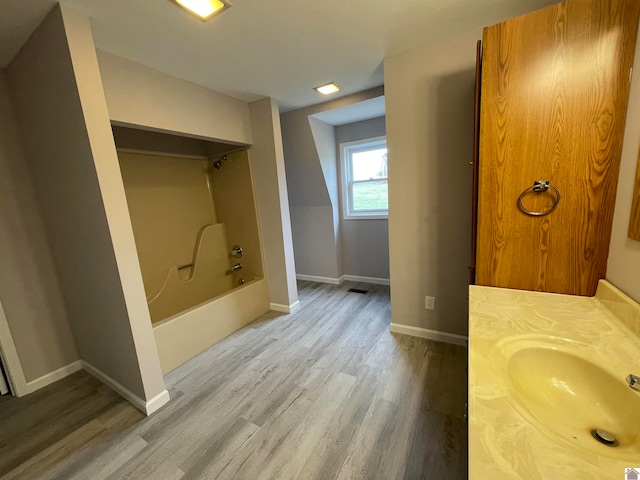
(355, 112)
(277, 48)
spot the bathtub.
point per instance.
(186, 334)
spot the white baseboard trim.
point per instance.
(314, 278)
(146, 407)
(158, 401)
(278, 307)
(52, 377)
(372, 280)
(295, 306)
(429, 334)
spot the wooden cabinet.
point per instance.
(555, 85)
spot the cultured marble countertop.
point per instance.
(503, 443)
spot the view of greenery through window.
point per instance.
(369, 177)
(370, 196)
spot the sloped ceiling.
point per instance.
(277, 48)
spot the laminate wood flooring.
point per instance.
(325, 393)
(49, 425)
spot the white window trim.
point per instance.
(345, 184)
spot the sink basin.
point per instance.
(567, 396)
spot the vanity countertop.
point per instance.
(506, 440)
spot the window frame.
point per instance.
(346, 184)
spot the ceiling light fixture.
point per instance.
(204, 9)
(327, 89)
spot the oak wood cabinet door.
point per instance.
(474, 163)
(555, 85)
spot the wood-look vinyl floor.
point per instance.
(49, 425)
(325, 393)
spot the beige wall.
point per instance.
(270, 187)
(623, 268)
(139, 95)
(29, 289)
(365, 243)
(429, 110)
(57, 91)
(145, 141)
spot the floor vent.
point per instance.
(357, 290)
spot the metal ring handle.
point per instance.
(538, 187)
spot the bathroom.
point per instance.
(193, 214)
(428, 91)
(554, 311)
(130, 133)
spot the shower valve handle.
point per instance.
(237, 251)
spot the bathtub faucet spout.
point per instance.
(237, 266)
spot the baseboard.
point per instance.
(278, 307)
(343, 278)
(146, 407)
(158, 401)
(295, 306)
(372, 280)
(52, 377)
(429, 334)
(314, 278)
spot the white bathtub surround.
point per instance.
(506, 440)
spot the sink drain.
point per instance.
(604, 437)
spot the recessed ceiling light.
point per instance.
(203, 9)
(328, 89)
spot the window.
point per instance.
(364, 178)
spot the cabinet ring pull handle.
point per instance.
(539, 186)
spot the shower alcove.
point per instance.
(191, 204)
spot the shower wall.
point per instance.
(169, 202)
(186, 217)
(235, 205)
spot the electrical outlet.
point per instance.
(430, 303)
